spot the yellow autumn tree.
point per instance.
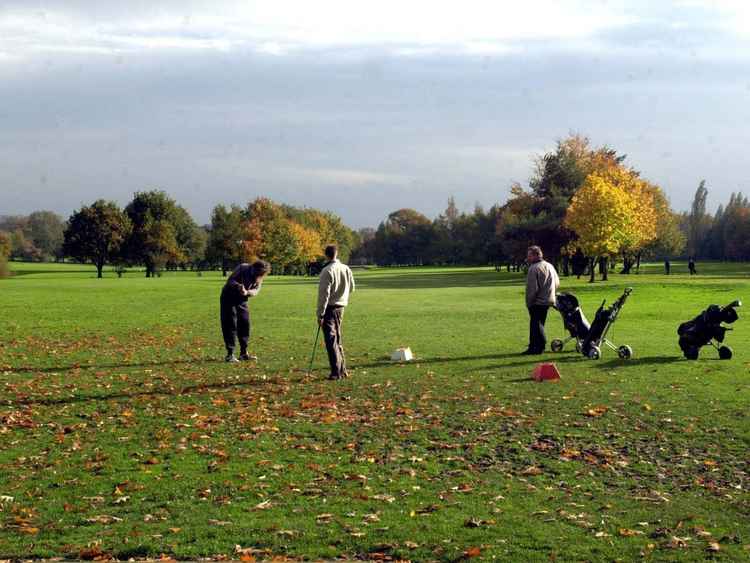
(612, 213)
(307, 244)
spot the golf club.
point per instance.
(315, 346)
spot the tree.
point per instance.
(403, 238)
(698, 220)
(96, 234)
(46, 230)
(558, 176)
(161, 231)
(604, 215)
(669, 240)
(225, 237)
(5, 246)
(22, 248)
(308, 245)
(190, 238)
(364, 252)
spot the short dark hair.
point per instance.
(536, 251)
(260, 268)
(331, 251)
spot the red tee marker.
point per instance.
(543, 372)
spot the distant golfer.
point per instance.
(667, 266)
(541, 283)
(244, 282)
(691, 266)
(336, 283)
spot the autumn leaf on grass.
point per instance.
(473, 552)
(532, 470)
(411, 544)
(627, 532)
(596, 412)
(713, 547)
(91, 553)
(477, 523)
(262, 505)
(103, 519)
(676, 543)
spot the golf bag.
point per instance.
(597, 334)
(574, 321)
(707, 328)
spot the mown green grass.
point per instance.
(123, 433)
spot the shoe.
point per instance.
(345, 374)
(245, 357)
(230, 359)
(334, 377)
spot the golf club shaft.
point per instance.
(315, 346)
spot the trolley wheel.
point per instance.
(625, 352)
(595, 353)
(557, 345)
(725, 353)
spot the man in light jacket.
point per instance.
(541, 283)
(336, 283)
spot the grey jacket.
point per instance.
(336, 283)
(541, 283)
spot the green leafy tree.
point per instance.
(5, 245)
(161, 230)
(403, 238)
(96, 234)
(46, 229)
(699, 222)
(225, 248)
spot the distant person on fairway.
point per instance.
(667, 266)
(541, 283)
(336, 283)
(691, 266)
(243, 283)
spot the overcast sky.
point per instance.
(362, 107)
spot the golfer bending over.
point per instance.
(541, 283)
(336, 283)
(242, 284)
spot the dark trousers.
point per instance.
(235, 323)
(537, 318)
(332, 320)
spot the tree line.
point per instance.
(155, 232)
(583, 205)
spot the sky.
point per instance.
(362, 108)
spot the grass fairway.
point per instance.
(124, 435)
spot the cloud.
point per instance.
(281, 26)
(360, 110)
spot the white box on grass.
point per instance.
(402, 355)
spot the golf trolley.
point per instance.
(574, 320)
(596, 338)
(707, 328)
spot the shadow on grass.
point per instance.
(70, 367)
(644, 361)
(436, 360)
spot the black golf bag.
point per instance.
(597, 334)
(574, 320)
(707, 328)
